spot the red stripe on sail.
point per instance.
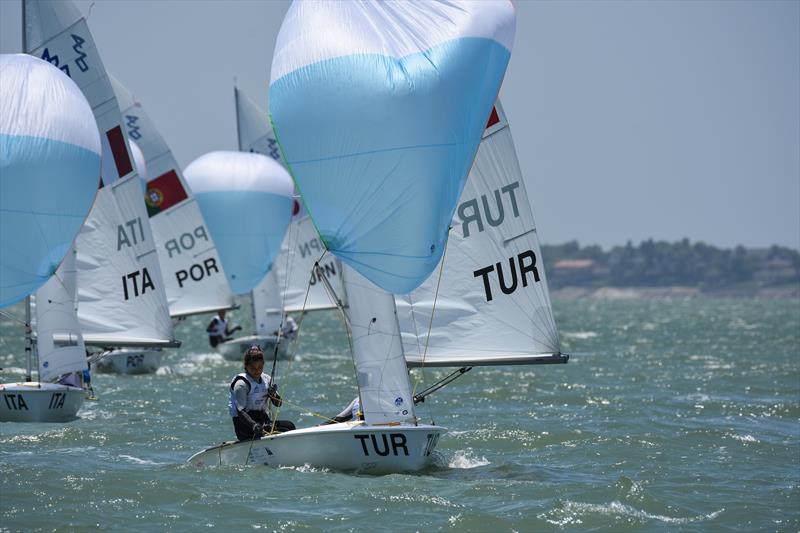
(494, 118)
(120, 152)
(163, 192)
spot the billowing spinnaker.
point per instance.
(246, 201)
(49, 171)
(379, 109)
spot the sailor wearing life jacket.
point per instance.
(250, 394)
(218, 330)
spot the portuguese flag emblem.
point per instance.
(163, 192)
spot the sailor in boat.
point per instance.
(218, 330)
(251, 393)
(351, 412)
(289, 329)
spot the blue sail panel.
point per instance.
(248, 228)
(381, 160)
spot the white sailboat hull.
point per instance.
(129, 361)
(233, 350)
(349, 447)
(40, 402)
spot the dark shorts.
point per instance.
(245, 432)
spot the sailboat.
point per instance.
(194, 277)
(61, 351)
(45, 124)
(121, 296)
(380, 144)
(130, 360)
(246, 200)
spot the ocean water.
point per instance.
(672, 415)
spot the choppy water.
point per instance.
(671, 415)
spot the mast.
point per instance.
(236, 108)
(22, 5)
(28, 339)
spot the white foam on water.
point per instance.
(136, 460)
(571, 513)
(581, 335)
(465, 459)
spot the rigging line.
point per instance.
(433, 310)
(13, 318)
(420, 398)
(289, 365)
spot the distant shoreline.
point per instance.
(674, 292)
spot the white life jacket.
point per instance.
(256, 395)
(218, 327)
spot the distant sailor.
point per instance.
(289, 330)
(251, 392)
(218, 330)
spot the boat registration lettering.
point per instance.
(197, 271)
(186, 241)
(381, 444)
(527, 264)
(134, 360)
(139, 285)
(79, 61)
(470, 211)
(15, 402)
(57, 400)
(133, 235)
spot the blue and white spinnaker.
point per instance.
(246, 201)
(49, 171)
(379, 109)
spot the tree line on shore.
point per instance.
(662, 264)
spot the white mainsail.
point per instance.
(493, 306)
(383, 382)
(120, 290)
(59, 340)
(267, 312)
(193, 274)
(301, 247)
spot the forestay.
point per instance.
(58, 337)
(50, 160)
(193, 274)
(493, 306)
(120, 290)
(383, 382)
(379, 108)
(246, 201)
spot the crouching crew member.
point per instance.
(251, 392)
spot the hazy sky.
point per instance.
(631, 119)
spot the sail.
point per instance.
(121, 298)
(493, 306)
(50, 160)
(302, 248)
(246, 201)
(193, 274)
(253, 130)
(267, 312)
(139, 164)
(379, 109)
(378, 351)
(58, 337)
